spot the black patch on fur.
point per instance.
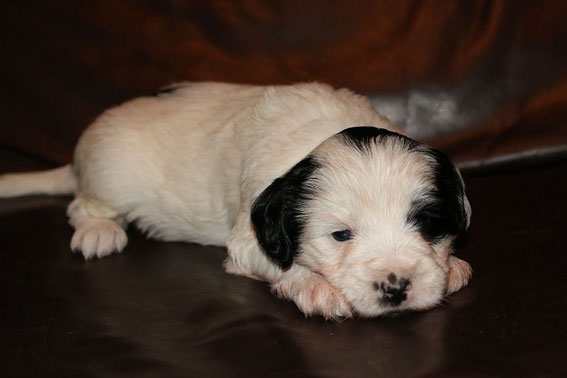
(361, 137)
(444, 214)
(437, 217)
(276, 213)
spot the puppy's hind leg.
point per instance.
(99, 229)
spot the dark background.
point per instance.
(500, 64)
(486, 81)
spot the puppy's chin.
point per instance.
(417, 300)
(373, 289)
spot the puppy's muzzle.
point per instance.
(394, 291)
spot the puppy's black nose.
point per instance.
(394, 295)
(394, 292)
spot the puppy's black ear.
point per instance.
(277, 215)
(449, 212)
(451, 189)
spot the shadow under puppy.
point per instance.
(308, 187)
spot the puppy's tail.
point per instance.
(57, 181)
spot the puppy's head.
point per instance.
(376, 214)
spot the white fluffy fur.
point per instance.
(188, 165)
(375, 197)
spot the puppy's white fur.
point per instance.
(188, 165)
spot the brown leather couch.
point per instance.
(485, 81)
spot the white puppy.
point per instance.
(308, 187)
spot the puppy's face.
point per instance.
(373, 212)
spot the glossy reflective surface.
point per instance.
(483, 78)
(168, 309)
(480, 78)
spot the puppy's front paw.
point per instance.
(460, 273)
(313, 295)
(99, 238)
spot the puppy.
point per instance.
(308, 187)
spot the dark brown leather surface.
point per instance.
(168, 309)
(497, 67)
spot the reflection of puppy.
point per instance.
(309, 188)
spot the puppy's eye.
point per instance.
(342, 235)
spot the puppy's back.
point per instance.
(171, 161)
